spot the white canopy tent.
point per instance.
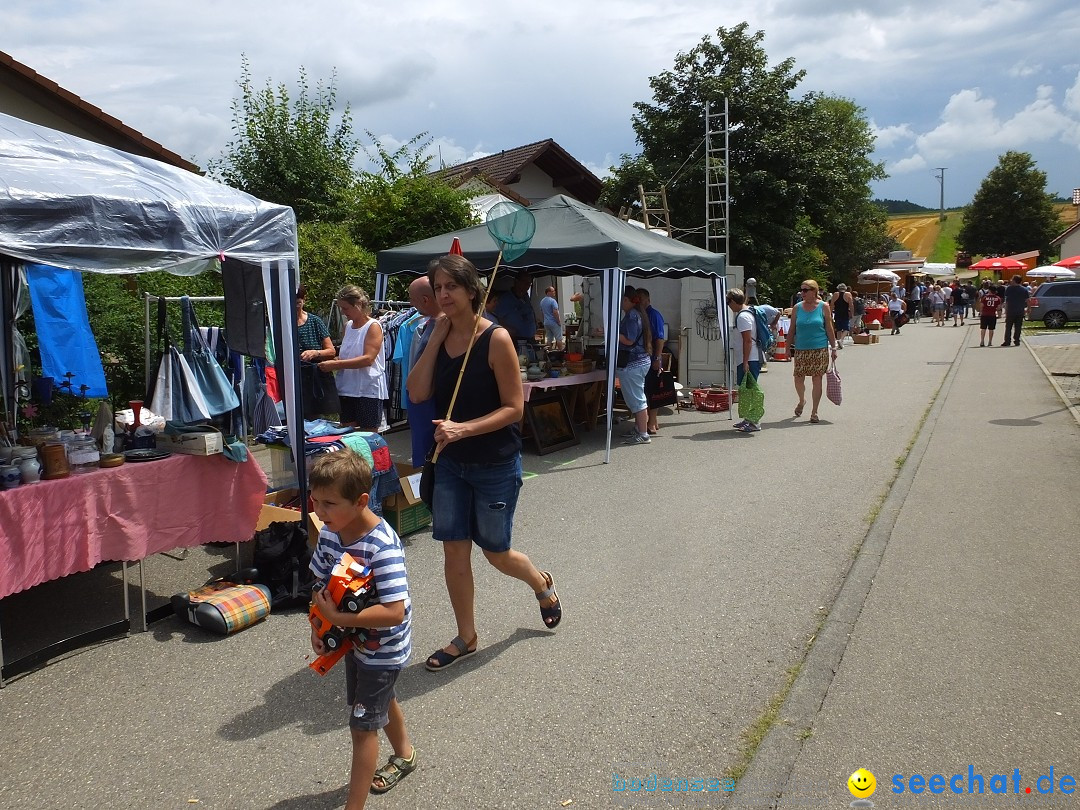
(75, 204)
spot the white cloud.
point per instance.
(1022, 70)
(885, 137)
(907, 165)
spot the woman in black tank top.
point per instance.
(478, 473)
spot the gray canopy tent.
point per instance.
(78, 205)
(575, 239)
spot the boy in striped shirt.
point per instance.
(340, 485)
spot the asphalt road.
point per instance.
(693, 574)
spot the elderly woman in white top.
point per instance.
(360, 365)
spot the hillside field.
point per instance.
(925, 236)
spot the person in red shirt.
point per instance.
(989, 307)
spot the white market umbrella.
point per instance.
(1050, 272)
(878, 277)
(939, 269)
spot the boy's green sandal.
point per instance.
(395, 769)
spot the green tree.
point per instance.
(1011, 212)
(332, 259)
(799, 168)
(400, 201)
(287, 150)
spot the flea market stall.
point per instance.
(575, 239)
(76, 205)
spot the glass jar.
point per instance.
(41, 435)
(83, 455)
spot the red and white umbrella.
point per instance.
(1072, 263)
(1002, 264)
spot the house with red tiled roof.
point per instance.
(26, 94)
(528, 174)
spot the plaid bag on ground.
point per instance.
(223, 607)
(832, 385)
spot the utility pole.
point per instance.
(941, 182)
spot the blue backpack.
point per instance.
(765, 340)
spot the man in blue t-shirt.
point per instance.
(421, 414)
(1016, 298)
(656, 356)
(549, 307)
(515, 310)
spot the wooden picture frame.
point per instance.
(550, 422)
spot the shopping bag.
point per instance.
(210, 378)
(318, 392)
(176, 393)
(660, 389)
(751, 400)
(832, 385)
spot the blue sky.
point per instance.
(944, 84)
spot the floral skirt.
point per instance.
(811, 362)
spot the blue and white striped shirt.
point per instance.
(381, 550)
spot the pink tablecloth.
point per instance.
(55, 528)
(558, 382)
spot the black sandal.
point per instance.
(441, 659)
(552, 614)
(395, 769)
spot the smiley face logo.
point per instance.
(862, 784)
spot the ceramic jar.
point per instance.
(30, 469)
(10, 477)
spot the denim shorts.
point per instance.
(476, 502)
(632, 385)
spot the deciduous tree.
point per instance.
(799, 167)
(1011, 212)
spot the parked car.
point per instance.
(1055, 303)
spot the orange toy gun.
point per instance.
(352, 588)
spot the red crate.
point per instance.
(713, 399)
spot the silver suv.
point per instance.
(1055, 303)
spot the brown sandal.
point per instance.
(814, 419)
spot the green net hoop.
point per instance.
(512, 226)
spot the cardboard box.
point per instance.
(866, 340)
(408, 519)
(273, 511)
(192, 444)
(404, 511)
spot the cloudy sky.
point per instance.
(945, 83)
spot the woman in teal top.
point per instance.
(811, 337)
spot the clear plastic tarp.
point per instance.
(73, 203)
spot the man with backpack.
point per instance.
(749, 343)
(767, 317)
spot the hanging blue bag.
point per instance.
(216, 389)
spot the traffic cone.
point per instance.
(780, 353)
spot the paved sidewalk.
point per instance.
(1060, 355)
(953, 642)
